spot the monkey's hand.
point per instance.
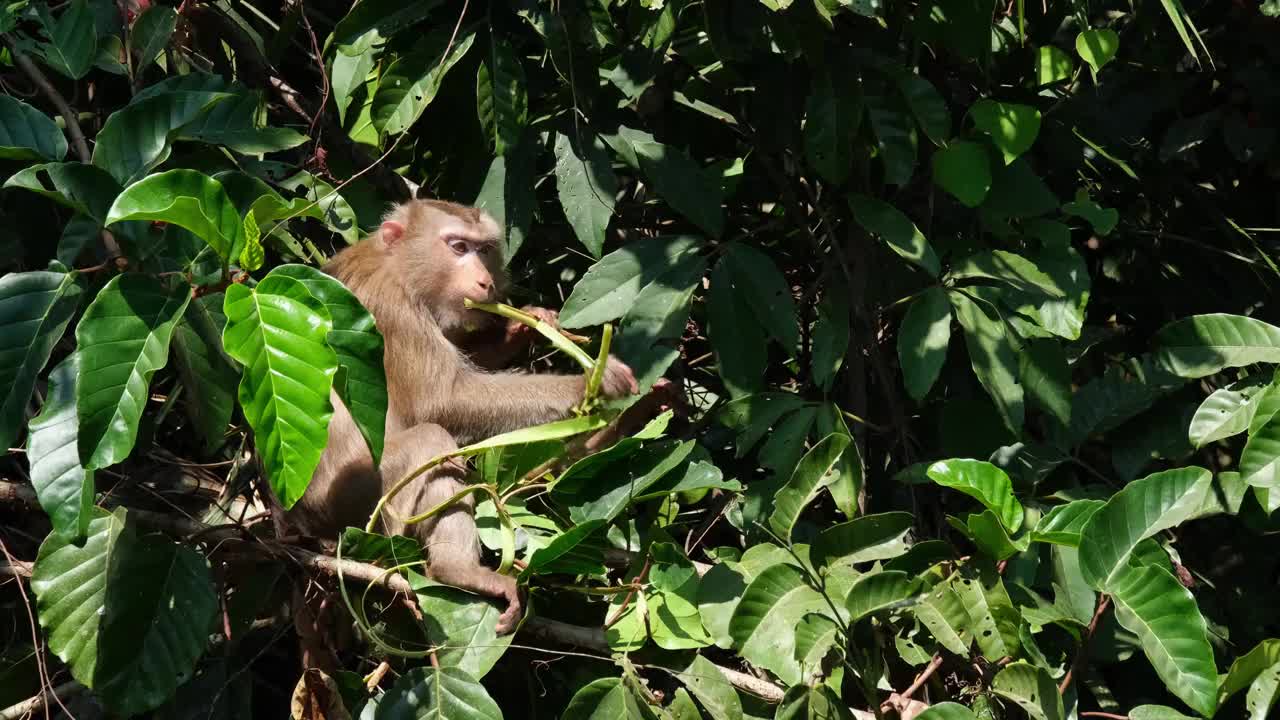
(618, 379)
(519, 335)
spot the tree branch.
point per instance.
(1083, 652)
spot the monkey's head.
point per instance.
(446, 254)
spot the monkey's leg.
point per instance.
(453, 546)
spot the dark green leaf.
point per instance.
(27, 134)
(432, 692)
(737, 339)
(1047, 378)
(586, 185)
(72, 42)
(864, 539)
(84, 188)
(832, 119)
(501, 99)
(992, 356)
(896, 229)
(63, 486)
(814, 472)
(410, 83)
(964, 170)
(35, 308)
(150, 33)
(140, 137)
(760, 286)
(922, 341)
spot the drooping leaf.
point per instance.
(864, 539)
(63, 486)
(35, 308)
(335, 211)
(737, 339)
(1012, 127)
(612, 284)
(348, 72)
(278, 332)
(130, 615)
(1248, 667)
(208, 376)
(139, 137)
(1260, 460)
(151, 32)
(1015, 270)
(1151, 603)
(361, 382)
(895, 136)
(72, 41)
(678, 178)
(1047, 378)
(1030, 688)
(814, 472)
(1202, 345)
(897, 231)
(501, 98)
(435, 692)
(608, 495)
(410, 83)
(1143, 508)
(544, 559)
(759, 285)
(188, 199)
(763, 623)
(712, 690)
(371, 21)
(984, 482)
(654, 325)
(123, 339)
(964, 170)
(926, 104)
(28, 134)
(832, 118)
(507, 194)
(84, 188)
(586, 185)
(604, 699)
(944, 614)
(232, 122)
(992, 357)
(923, 338)
(993, 619)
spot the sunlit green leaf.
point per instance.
(811, 475)
(586, 185)
(63, 486)
(410, 83)
(1012, 127)
(188, 199)
(1030, 688)
(1205, 344)
(435, 692)
(1097, 47)
(865, 539)
(897, 231)
(501, 98)
(763, 624)
(922, 341)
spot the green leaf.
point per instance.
(1052, 66)
(348, 74)
(987, 532)
(895, 136)
(410, 83)
(208, 376)
(814, 472)
(811, 703)
(462, 626)
(1227, 412)
(964, 170)
(1152, 604)
(84, 188)
(865, 539)
(63, 486)
(654, 325)
(993, 619)
(232, 122)
(673, 619)
(501, 99)
(1097, 47)
(139, 137)
(123, 340)
(753, 416)
(35, 308)
(926, 104)
(712, 690)
(543, 559)
(187, 199)
(361, 382)
(830, 335)
(371, 21)
(759, 285)
(763, 623)
(1246, 669)
(737, 339)
(947, 711)
(1012, 127)
(431, 692)
(1159, 712)
(586, 185)
(334, 208)
(610, 286)
(944, 614)
(878, 591)
(1010, 268)
(1063, 524)
(78, 234)
(896, 230)
(832, 118)
(1142, 509)
(984, 482)
(28, 134)
(507, 194)
(1202, 345)
(608, 496)
(151, 32)
(278, 332)
(130, 615)
(1103, 220)
(1047, 377)
(992, 357)
(679, 179)
(1260, 460)
(923, 338)
(603, 699)
(72, 41)
(1030, 688)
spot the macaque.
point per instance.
(413, 275)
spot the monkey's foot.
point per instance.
(510, 617)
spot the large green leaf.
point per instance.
(992, 356)
(832, 118)
(679, 179)
(72, 40)
(1151, 603)
(896, 229)
(1097, 47)
(993, 619)
(431, 692)
(764, 622)
(586, 186)
(507, 194)
(964, 170)
(501, 99)
(737, 339)
(759, 285)
(35, 308)
(1030, 688)
(983, 481)
(943, 613)
(895, 136)
(1246, 668)
(655, 323)
(1012, 127)
(188, 199)
(84, 188)
(830, 335)
(1226, 412)
(877, 591)
(151, 32)
(26, 133)
(1205, 344)
(711, 689)
(947, 711)
(347, 74)
(1046, 377)
(803, 702)
(610, 493)
(278, 332)
(604, 699)
(371, 21)
(1142, 509)
(1063, 524)
(123, 340)
(814, 472)
(209, 378)
(926, 104)
(865, 539)
(130, 615)
(63, 486)
(231, 122)
(139, 137)
(610, 286)
(1010, 268)
(1260, 460)
(361, 382)
(463, 626)
(411, 82)
(923, 338)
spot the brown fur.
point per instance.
(413, 284)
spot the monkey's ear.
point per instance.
(392, 232)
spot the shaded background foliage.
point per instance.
(861, 237)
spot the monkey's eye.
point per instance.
(459, 247)
(484, 250)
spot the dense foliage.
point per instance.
(971, 304)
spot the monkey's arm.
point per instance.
(484, 404)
